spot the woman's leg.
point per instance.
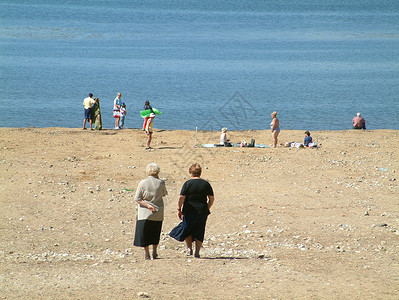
(277, 133)
(189, 243)
(146, 252)
(149, 136)
(274, 136)
(198, 245)
(117, 122)
(154, 251)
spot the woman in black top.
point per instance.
(196, 198)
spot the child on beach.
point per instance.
(123, 115)
(146, 106)
(308, 142)
(148, 130)
(308, 139)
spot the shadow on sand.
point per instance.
(224, 257)
(163, 148)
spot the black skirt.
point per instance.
(147, 233)
(192, 224)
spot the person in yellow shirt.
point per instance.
(88, 105)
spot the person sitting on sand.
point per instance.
(308, 139)
(223, 138)
(359, 122)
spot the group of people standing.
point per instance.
(92, 112)
(193, 207)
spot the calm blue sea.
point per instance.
(204, 64)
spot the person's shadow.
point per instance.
(165, 148)
(224, 258)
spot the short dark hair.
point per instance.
(90, 95)
(147, 102)
(195, 170)
(307, 133)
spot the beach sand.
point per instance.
(287, 223)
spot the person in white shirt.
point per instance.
(223, 138)
(117, 108)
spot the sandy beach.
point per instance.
(287, 223)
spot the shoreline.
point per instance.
(193, 130)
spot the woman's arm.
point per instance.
(210, 202)
(273, 124)
(139, 199)
(146, 204)
(179, 206)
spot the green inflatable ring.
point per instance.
(146, 113)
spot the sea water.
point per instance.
(205, 64)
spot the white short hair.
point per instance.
(153, 169)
